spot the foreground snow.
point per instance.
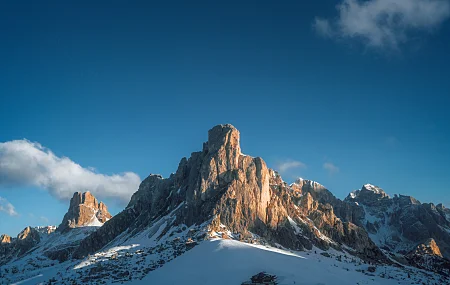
(180, 255)
(223, 262)
(227, 262)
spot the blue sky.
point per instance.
(330, 95)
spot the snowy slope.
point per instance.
(219, 262)
(35, 264)
(226, 262)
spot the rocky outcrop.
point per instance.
(315, 203)
(347, 212)
(5, 238)
(26, 240)
(84, 210)
(428, 256)
(429, 247)
(59, 242)
(401, 222)
(222, 187)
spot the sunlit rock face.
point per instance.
(17, 247)
(84, 210)
(429, 247)
(427, 255)
(224, 187)
(219, 192)
(5, 239)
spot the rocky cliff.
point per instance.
(10, 248)
(222, 187)
(401, 222)
(84, 216)
(5, 238)
(84, 210)
(428, 256)
(221, 192)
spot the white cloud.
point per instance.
(383, 23)
(7, 207)
(289, 164)
(330, 167)
(25, 163)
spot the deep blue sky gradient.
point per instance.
(123, 86)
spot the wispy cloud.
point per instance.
(24, 163)
(7, 207)
(323, 27)
(331, 168)
(287, 165)
(383, 24)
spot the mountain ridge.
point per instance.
(219, 192)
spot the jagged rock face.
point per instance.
(221, 186)
(399, 223)
(347, 212)
(84, 210)
(26, 239)
(217, 183)
(5, 239)
(317, 204)
(28, 234)
(370, 195)
(429, 247)
(428, 256)
(444, 212)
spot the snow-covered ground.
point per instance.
(226, 262)
(165, 254)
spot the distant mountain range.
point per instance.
(220, 194)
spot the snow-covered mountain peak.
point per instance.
(45, 230)
(311, 183)
(368, 194)
(374, 189)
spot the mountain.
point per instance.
(228, 190)
(402, 223)
(84, 210)
(25, 240)
(428, 256)
(221, 194)
(84, 216)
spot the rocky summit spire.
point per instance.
(223, 136)
(84, 210)
(5, 238)
(220, 187)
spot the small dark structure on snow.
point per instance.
(262, 278)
